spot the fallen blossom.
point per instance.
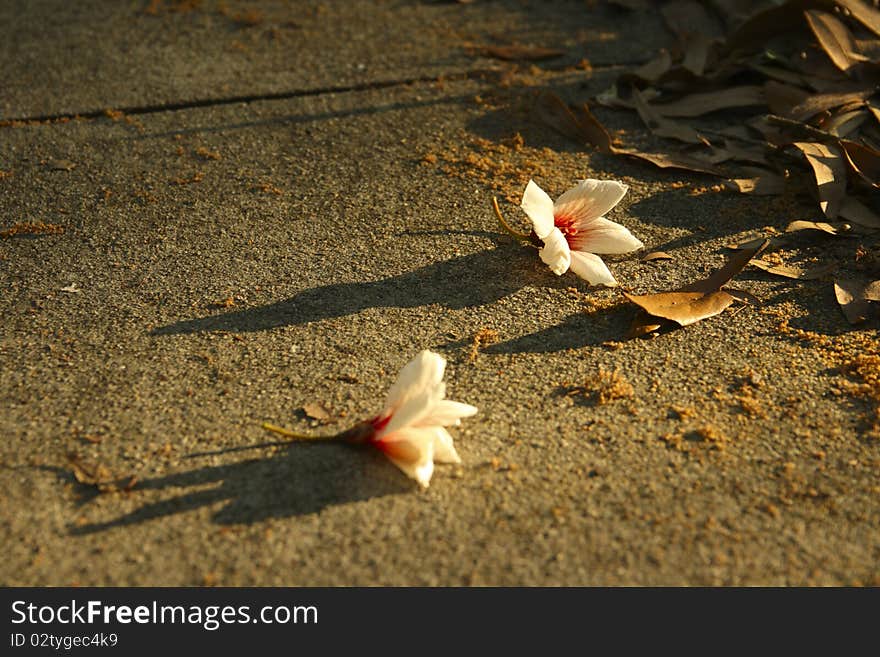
(573, 230)
(411, 429)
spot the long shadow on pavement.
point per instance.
(468, 281)
(303, 479)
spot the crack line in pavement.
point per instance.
(281, 95)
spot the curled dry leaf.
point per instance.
(815, 104)
(663, 127)
(583, 127)
(656, 255)
(793, 271)
(694, 302)
(835, 39)
(821, 226)
(766, 184)
(712, 101)
(857, 212)
(863, 12)
(864, 161)
(872, 291)
(852, 297)
(754, 242)
(580, 124)
(654, 69)
(683, 308)
(829, 170)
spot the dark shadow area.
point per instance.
(301, 480)
(472, 280)
(577, 331)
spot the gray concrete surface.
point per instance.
(238, 261)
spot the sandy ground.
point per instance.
(309, 210)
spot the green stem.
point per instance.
(287, 433)
(520, 236)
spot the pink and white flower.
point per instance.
(411, 429)
(573, 229)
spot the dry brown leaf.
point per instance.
(864, 13)
(857, 212)
(863, 160)
(767, 184)
(694, 302)
(683, 308)
(844, 122)
(514, 53)
(783, 98)
(696, 55)
(781, 75)
(695, 28)
(817, 103)
(851, 297)
(835, 39)
(754, 153)
(583, 127)
(752, 244)
(821, 226)
(872, 291)
(673, 161)
(687, 17)
(580, 124)
(829, 171)
(316, 411)
(654, 69)
(663, 127)
(754, 33)
(874, 108)
(712, 101)
(656, 255)
(734, 265)
(792, 271)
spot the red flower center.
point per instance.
(566, 226)
(377, 424)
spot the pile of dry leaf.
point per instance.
(763, 95)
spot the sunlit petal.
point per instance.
(604, 236)
(422, 373)
(591, 268)
(589, 199)
(556, 253)
(539, 207)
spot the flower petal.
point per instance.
(589, 199)
(447, 413)
(423, 372)
(591, 268)
(556, 253)
(539, 207)
(444, 450)
(414, 410)
(411, 450)
(604, 236)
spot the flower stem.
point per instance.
(287, 433)
(520, 236)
